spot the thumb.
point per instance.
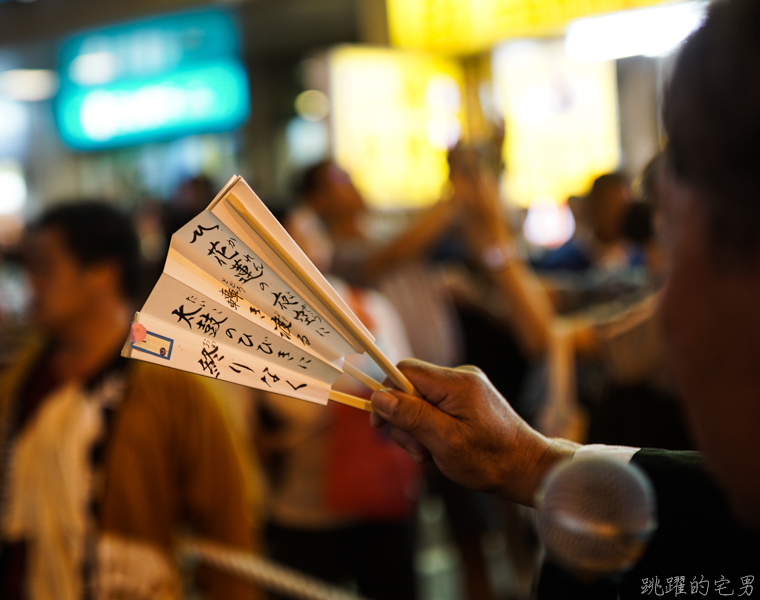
(413, 415)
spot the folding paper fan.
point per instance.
(238, 300)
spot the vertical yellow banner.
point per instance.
(561, 120)
(394, 115)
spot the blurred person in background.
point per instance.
(398, 267)
(532, 311)
(598, 239)
(342, 496)
(621, 336)
(600, 263)
(192, 196)
(14, 297)
(156, 221)
(104, 459)
(708, 506)
(639, 405)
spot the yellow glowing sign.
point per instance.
(471, 25)
(560, 118)
(394, 115)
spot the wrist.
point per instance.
(559, 450)
(552, 452)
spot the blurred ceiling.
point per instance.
(269, 27)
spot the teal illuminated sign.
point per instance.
(213, 97)
(157, 79)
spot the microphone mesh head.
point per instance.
(596, 515)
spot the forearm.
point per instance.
(413, 242)
(491, 241)
(531, 307)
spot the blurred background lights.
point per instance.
(28, 85)
(548, 224)
(148, 47)
(652, 31)
(93, 68)
(210, 97)
(151, 79)
(395, 114)
(443, 94)
(308, 141)
(12, 188)
(312, 105)
(443, 98)
(106, 114)
(13, 125)
(467, 26)
(557, 112)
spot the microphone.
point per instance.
(595, 516)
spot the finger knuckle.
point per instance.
(472, 378)
(455, 446)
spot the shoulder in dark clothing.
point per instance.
(698, 537)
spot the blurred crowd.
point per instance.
(106, 463)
